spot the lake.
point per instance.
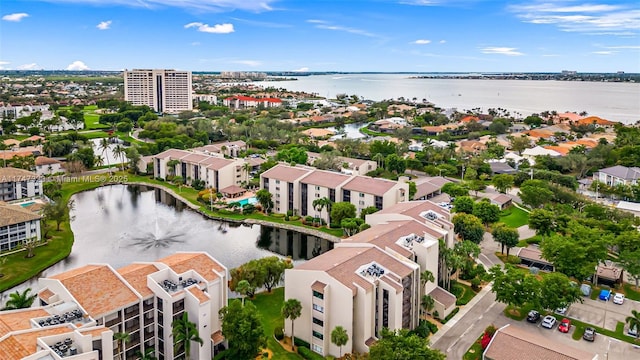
(613, 101)
(121, 224)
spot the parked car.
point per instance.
(589, 334)
(548, 322)
(565, 325)
(533, 316)
(605, 294)
(562, 310)
(633, 331)
(618, 298)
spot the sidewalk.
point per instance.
(463, 311)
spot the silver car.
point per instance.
(548, 322)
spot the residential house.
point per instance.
(215, 171)
(48, 166)
(18, 184)
(17, 225)
(596, 121)
(357, 286)
(428, 187)
(499, 167)
(502, 201)
(531, 153)
(318, 133)
(143, 299)
(618, 175)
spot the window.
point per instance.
(361, 195)
(318, 294)
(318, 188)
(318, 322)
(318, 308)
(317, 348)
(318, 335)
(277, 181)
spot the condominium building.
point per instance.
(349, 166)
(225, 148)
(143, 299)
(243, 102)
(357, 286)
(17, 225)
(18, 184)
(215, 171)
(294, 188)
(162, 90)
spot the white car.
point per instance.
(548, 322)
(618, 299)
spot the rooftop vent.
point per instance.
(373, 270)
(430, 215)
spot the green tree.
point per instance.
(506, 236)
(535, 193)
(291, 309)
(342, 210)
(468, 227)
(395, 164)
(630, 261)
(243, 288)
(402, 345)
(147, 355)
(425, 277)
(513, 287)
(463, 204)
(339, 337)
(57, 211)
(557, 291)
(274, 268)
(293, 155)
(242, 328)
(487, 212)
(454, 189)
(368, 210)
(20, 300)
(133, 155)
(264, 198)
(541, 221)
(184, 333)
(519, 143)
(427, 303)
(634, 321)
(502, 182)
(121, 338)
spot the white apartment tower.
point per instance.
(162, 90)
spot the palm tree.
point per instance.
(339, 337)
(121, 339)
(246, 167)
(29, 245)
(425, 277)
(634, 321)
(147, 355)
(291, 309)
(243, 288)
(184, 332)
(119, 151)
(379, 159)
(104, 146)
(20, 300)
(427, 303)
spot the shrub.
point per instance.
(453, 313)
(265, 355)
(289, 212)
(277, 215)
(308, 219)
(512, 259)
(490, 330)
(301, 343)
(278, 333)
(294, 218)
(308, 354)
(436, 315)
(433, 328)
(475, 283)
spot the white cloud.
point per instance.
(215, 29)
(422, 42)
(443, 41)
(195, 43)
(2, 64)
(77, 65)
(321, 24)
(104, 25)
(634, 47)
(252, 63)
(302, 69)
(16, 17)
(201, 5)
(604, 52)
(597, 19)
(32, 66)
(501, 51)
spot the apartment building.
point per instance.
(18, 184)
(225, 148)
(143, 299)
(17, 225)
(243, 102)
(349, 166)
(53, 332)
(295, 188)
(162, 90)
(357, 286)
(215, 171)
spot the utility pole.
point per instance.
(531, 172)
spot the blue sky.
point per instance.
(321, 35)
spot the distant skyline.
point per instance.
(322, 35)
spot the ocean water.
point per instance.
(613, 101)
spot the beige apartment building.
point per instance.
(162, 90)
(143, 299)
(296, 187)
(357, 286)
(214, 170)
(16, 184)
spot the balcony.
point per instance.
(113, 322)
(132, 326)
(178, 306)
(131, 314)
(147, 307)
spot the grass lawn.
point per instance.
(463, 293)
(269, 306)
(631, 292)
(475, 351)
(514, 217)
(18, 268)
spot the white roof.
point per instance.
(539, 150)
(631, 206)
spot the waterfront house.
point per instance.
(17, 225)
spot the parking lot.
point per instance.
(604, 314)
(607, 348)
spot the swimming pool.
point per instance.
(251, 200)
(27, 203)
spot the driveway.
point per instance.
(604, 314)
